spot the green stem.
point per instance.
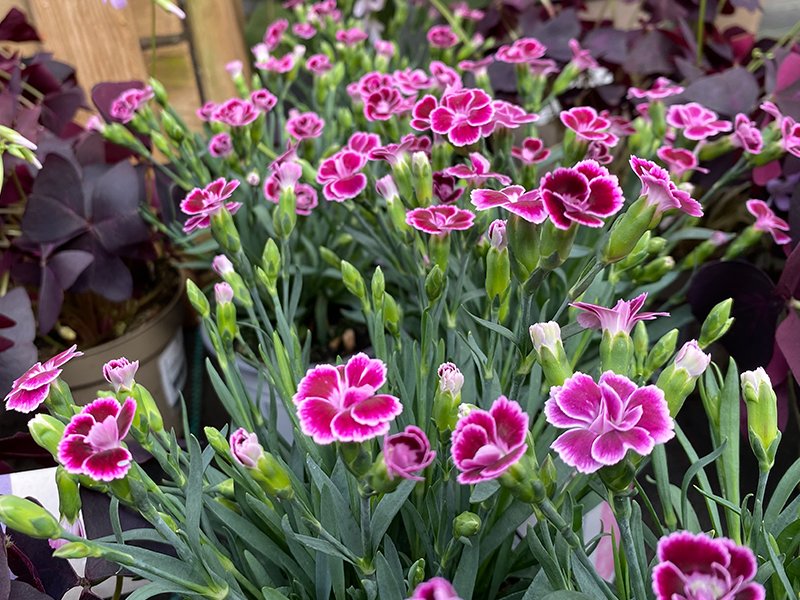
(451, 20)
(622, 508)
(758, 508)
(366, 529)
(701, 29)
(118, 588)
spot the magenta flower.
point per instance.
(697, 567)
(340, 404)
(465, 11)
(523, 50)
(660, 189)
(514, 199)
(304, 126)
(285, 175)
(363, 142)
(319, 64)
(679, 160)
(461, 114)
(599, 152)
(476, 66)
(263, 100)
(235, 112)
(588, 125)
(621, 318)
(421, 113)
(440, 219)
(446, 77)
(31, 388)
(382, 104)
(497, 236)
(274, 33)
(410, 81)
(384, 48)
(305, 199)
(437, 588)
(531, 152)
(326, 8)
(351, 37)
(581, 57)
(485, 444)
(407, 453)
(662, 88)
(128, 102)
(120, 373)
(477, 172)
(341, 175)
(220, 145)
(202, 204)
(509, 116)
(584, 194)
(746, 135)
(245, 448)
(441, 36)
(768, 222)
(275, 64)
(92, 442)
(445, 188)
(205, 112)
(790, 132)
(696, 121)
(606, 419)
(372, 82)
(305, 31)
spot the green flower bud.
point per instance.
(654, 270)
(639, 253)
(226, 488)
(641, 344)
(378, 479)
(401, 172)
(378, 288)
(434, 284)
(447, 398)
(225, 232)
(271, 261)
(330, 257)
(120, 135)
(656, 244)
(217, 441)
(522, 480)
(556, 245)
(717, 323)
(745, 240)
(628, 229)
(274, 478)
(356, 458)
(47, 432)
(146, 406)
(423, 184)
(439, 250)
(523, 240)
(660, 353)
(284, 217)
(29, 518)
(198, 299)
(549, 475)
(162, 145)
(762, 415)
(354, 282)
(173, 128)
(159, 92)
(549, 348)
(69, 498)
(392, 315)
(703, 251)
(416, 575)
(498, 273)
(76, 550)
(466, 525)
(616, 352)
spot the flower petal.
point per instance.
(73, 451)
(579, 397)
(346, 429)
(320, 382)
(376, 410)
(361, 371)
(511, 422)
(109, 465)
(102, 408)
(575, 449)
(315, 417)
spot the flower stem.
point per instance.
(758, 508)
(622, 508)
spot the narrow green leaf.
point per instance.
(273, 594)
(390, 583)
(483, 491)
(779, 570)
(495, 327)
(387, 509)
(730, 430)
(697, 467)
(467, 571)
(786, 486)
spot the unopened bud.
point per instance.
(549, 348)
(69, 497)
(434, 284)
(29, 518)
(660, 352)
(47, 432)
(197, 299)
(762, 415)
(466, 525)
(628, 230)
(271, 261)
(423, 178)
(679, 379)
(717, 323)
(354, 282)
(225, 232)
(378, 288)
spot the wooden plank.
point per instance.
(167, 25)
(175, 70)
(98, 40)
(216, 32)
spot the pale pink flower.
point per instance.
(486, 443)
(319, 64)
(451, 380)
(543, 67)
(476, 66)
(220, 145)
(341, 175)
(679, 160)
(514, 199)
(275, 64)
(245, 448)
(747, 135)
(692, 359)
(619, 319)
(445, 188)
(660, 189)
(341, 404)
(461, 115)
(125, 106)
(523, 50)
(274, 34)
(696, 121)
(509, 116)
(263, 100)
(223, 293)
(442, 36)
(222, 265)
(440, 219)
(202, 203)
(446, 77)
(384, 103)
(768, 222)
(531, 152)
(409, 143)
(662, 88)
(437, 588)
(410, 81)
(384, 48)
(606, 419)
(496, 234)
(694, 566)
(465, 11)
(304, 31)
(790, 132)
(387, 188)
(303, 126)
(92, 442)
(588, 125)
(326, 8)
(581, 57)
(235, 112)
(75, 528)
(477, 171)
(584, 194)
(363, 142)
(120, 373)
(351, 37)
(30, 389)
(407, 453)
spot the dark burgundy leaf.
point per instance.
(115, 197)
(15, 28)
(88, 595)
(17, 306)
(103, 94)
(649, 54)
(788, 340)
(789, 282)
(23, 591)
(55, 574)
(59, 109)
(607, 44)
(55, 210)
(68, 265)
(5, 579)
(107, 275)
(51, 298)
(556, 33)
(734, 91)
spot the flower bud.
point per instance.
(549, 348)
(330, 257)
(746, 239)
(28, 517)
(660, 353)
(641, 344)
(223, 293)
(466, 525)
(416, 573)
(717, 323)
(146, 407)
(497, 235)
(423, 178)
(524, 240)
(628, 230)
(222, 265)
(549, 475)
(378, 288)
(174, 129)
(226, 312)
(198, 299)
(159, 92)
(245, 448)
(225, 232)
(274, 478)
(692, 359)
(354, 282)
(271, 261)
(616, 352)
(47, 432)
(762, 416)
(401, 172)
(386, 188)
(703, 251)
(434, 284)
(498, 264)
(120, 373)
(76, 550)
(217, 441)
(69, 498)
(447, 398)
(679, 379)
(654, 270)
(556, 245)
(392, 315)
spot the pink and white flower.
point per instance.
(768, 222)
(531, 152)
(319, 64)
(222, 266)
(120, 373)
(790, 133)
(341, 175)
(446, 77)
(235, 112)
(445, 188)
(305, 199)
(411, 81)
(496, 234)
(407, 453)
(461, 115)
(696, 121)
(263, 100)
(304, 126)
(619, 319)
(124, 107)
(440, 219)
(581, 57)
(606, 419)
(584, 194)
(514, 199)
(486, 443)
(509, 116)
(363, 142)
(223, 293)
(245, 448)
(451, 380)
(352, 36)
(421, 113)
(588, 125)
(442, 36)
(661, 191)
(274, 33)
(284, 176)
(372, 82)
(662, 88)
(326, 8)
(477, 67)
(30, 389)
(202, 203)
(341, 404)
(477, 171)
(220, 145)
(92, 442)
(523, 50)
(384, 103)
(679, 160)
(747, 135)
(694, 566)
(600, 152)
(437, 588)
(276, 64)
(305, 31)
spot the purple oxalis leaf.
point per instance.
(55, 211)
(59, 273)
(16, 305)
(649, 54)
(103, 94)
(15, 28)
(734, 91)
